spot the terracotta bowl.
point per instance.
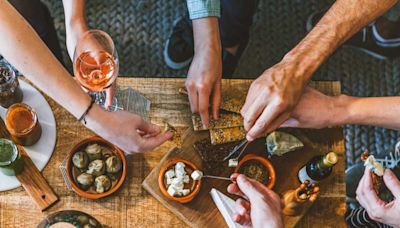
(161, 180)
(265, 162)
(118, 152)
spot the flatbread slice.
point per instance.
(225, 120)
(225, 135)
(233, 100)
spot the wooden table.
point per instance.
(132, 206)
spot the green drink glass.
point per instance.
(11, 163)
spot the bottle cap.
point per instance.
(331, 158)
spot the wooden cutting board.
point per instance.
(31, 179)
(202, 212)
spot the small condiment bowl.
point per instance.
(161, 180)
(118, 152)
(265, 162)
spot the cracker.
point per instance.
(225, 120)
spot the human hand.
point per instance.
(316, 110)
(377, 209)
(271, 99)
(204, 84)
(258, 207)
(126, 130)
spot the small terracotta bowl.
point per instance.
(190, 167)
(265, 162)
(118, 152)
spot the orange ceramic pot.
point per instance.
(263, 161)
(118, 152)
(190, 167)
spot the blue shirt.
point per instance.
(203, 8)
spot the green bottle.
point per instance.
(11, 163)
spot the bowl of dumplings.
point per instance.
(96, 168)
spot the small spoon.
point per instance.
(216, 177)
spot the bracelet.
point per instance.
(92, 101)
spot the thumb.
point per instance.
(392, 183)
(292, 122)
(251, 189)
(109, 97)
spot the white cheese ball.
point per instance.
(185, 192)
(197, 175)
(170, 174)
(233, 163)
(177, 183)
(180, 165)
(173, 192)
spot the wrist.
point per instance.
(95, 118)
(304, 64)
(341, 111)
(76, 26)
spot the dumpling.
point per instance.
(97, 168)
(102, 183)
(106, 153)
(113, 164)
(80, 160)
(93, 151)
(85, 179)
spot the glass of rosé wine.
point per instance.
(96, 66)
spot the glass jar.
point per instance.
(11, 163)
(10, 92)
(23, 124)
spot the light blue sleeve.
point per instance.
(203, 8)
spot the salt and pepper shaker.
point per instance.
(295, 200)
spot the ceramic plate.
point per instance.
(41, 152)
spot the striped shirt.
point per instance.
(203, 8)
(358, 218)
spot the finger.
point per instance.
(216, 99)
(249, 101)
(392, 183)
(242, 206)
(193, 98)
(109, 96)
(153, 142)
(244, 220)
(263, 122)
(234, 176)
(277, 122)
(149, 128)
(249, 188)
(291, 122)
(252, 114)
(204, 101)
(234, 189)
(370, 195)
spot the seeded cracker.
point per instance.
(225, 120)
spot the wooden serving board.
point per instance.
(202, 212)
(34, 183)
(31, 179)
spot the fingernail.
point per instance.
(249, 138)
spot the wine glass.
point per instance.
(96, 65)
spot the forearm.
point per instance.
(75, 23)
(74, 11)
(23, 48)
(375, 111)
(343, 20)
(206, 36)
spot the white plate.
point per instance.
(41, 152)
